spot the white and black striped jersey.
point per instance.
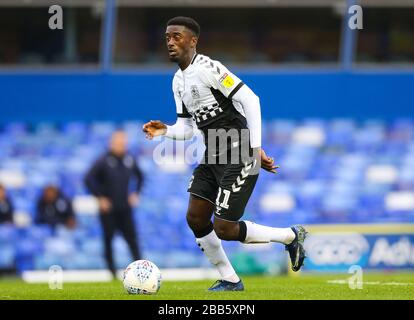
(204, 91)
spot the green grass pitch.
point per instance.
(376, 286)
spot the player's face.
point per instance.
(179, 42)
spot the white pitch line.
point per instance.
(374, 283)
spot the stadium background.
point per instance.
(337, 107)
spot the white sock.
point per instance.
(211, 245)
(257, 233)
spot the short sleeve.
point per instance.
(216, 75)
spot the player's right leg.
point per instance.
(199, 219)
(203, 190)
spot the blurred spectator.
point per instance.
(55, 208)
(6, 207)
(109, 180)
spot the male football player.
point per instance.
(207, 94)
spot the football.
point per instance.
(142, 277)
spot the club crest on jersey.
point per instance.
(226, 80)
(194, 92)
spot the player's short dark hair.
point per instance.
(188, 22)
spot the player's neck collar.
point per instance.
(192, 60)
(194, 57)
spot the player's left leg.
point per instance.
(235, 190)
(250, 232)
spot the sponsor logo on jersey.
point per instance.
(223, 77)
(226, 80)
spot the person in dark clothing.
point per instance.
(54, 208)
(6, 207)
(109, 180)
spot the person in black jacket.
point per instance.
(54, 208)
(6, 207)
(109, 180)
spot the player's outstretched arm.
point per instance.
(154, 128)
(181, 130)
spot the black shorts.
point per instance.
(227, 186)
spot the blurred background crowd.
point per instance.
(337, 116)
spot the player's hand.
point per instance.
(133, 199)
(154, 128)
(104, 204)
(268, 163)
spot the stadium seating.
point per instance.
(332, 171)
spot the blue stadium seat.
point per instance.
(7, 256)
(8, 233)
(39, 232)
(328, 183)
